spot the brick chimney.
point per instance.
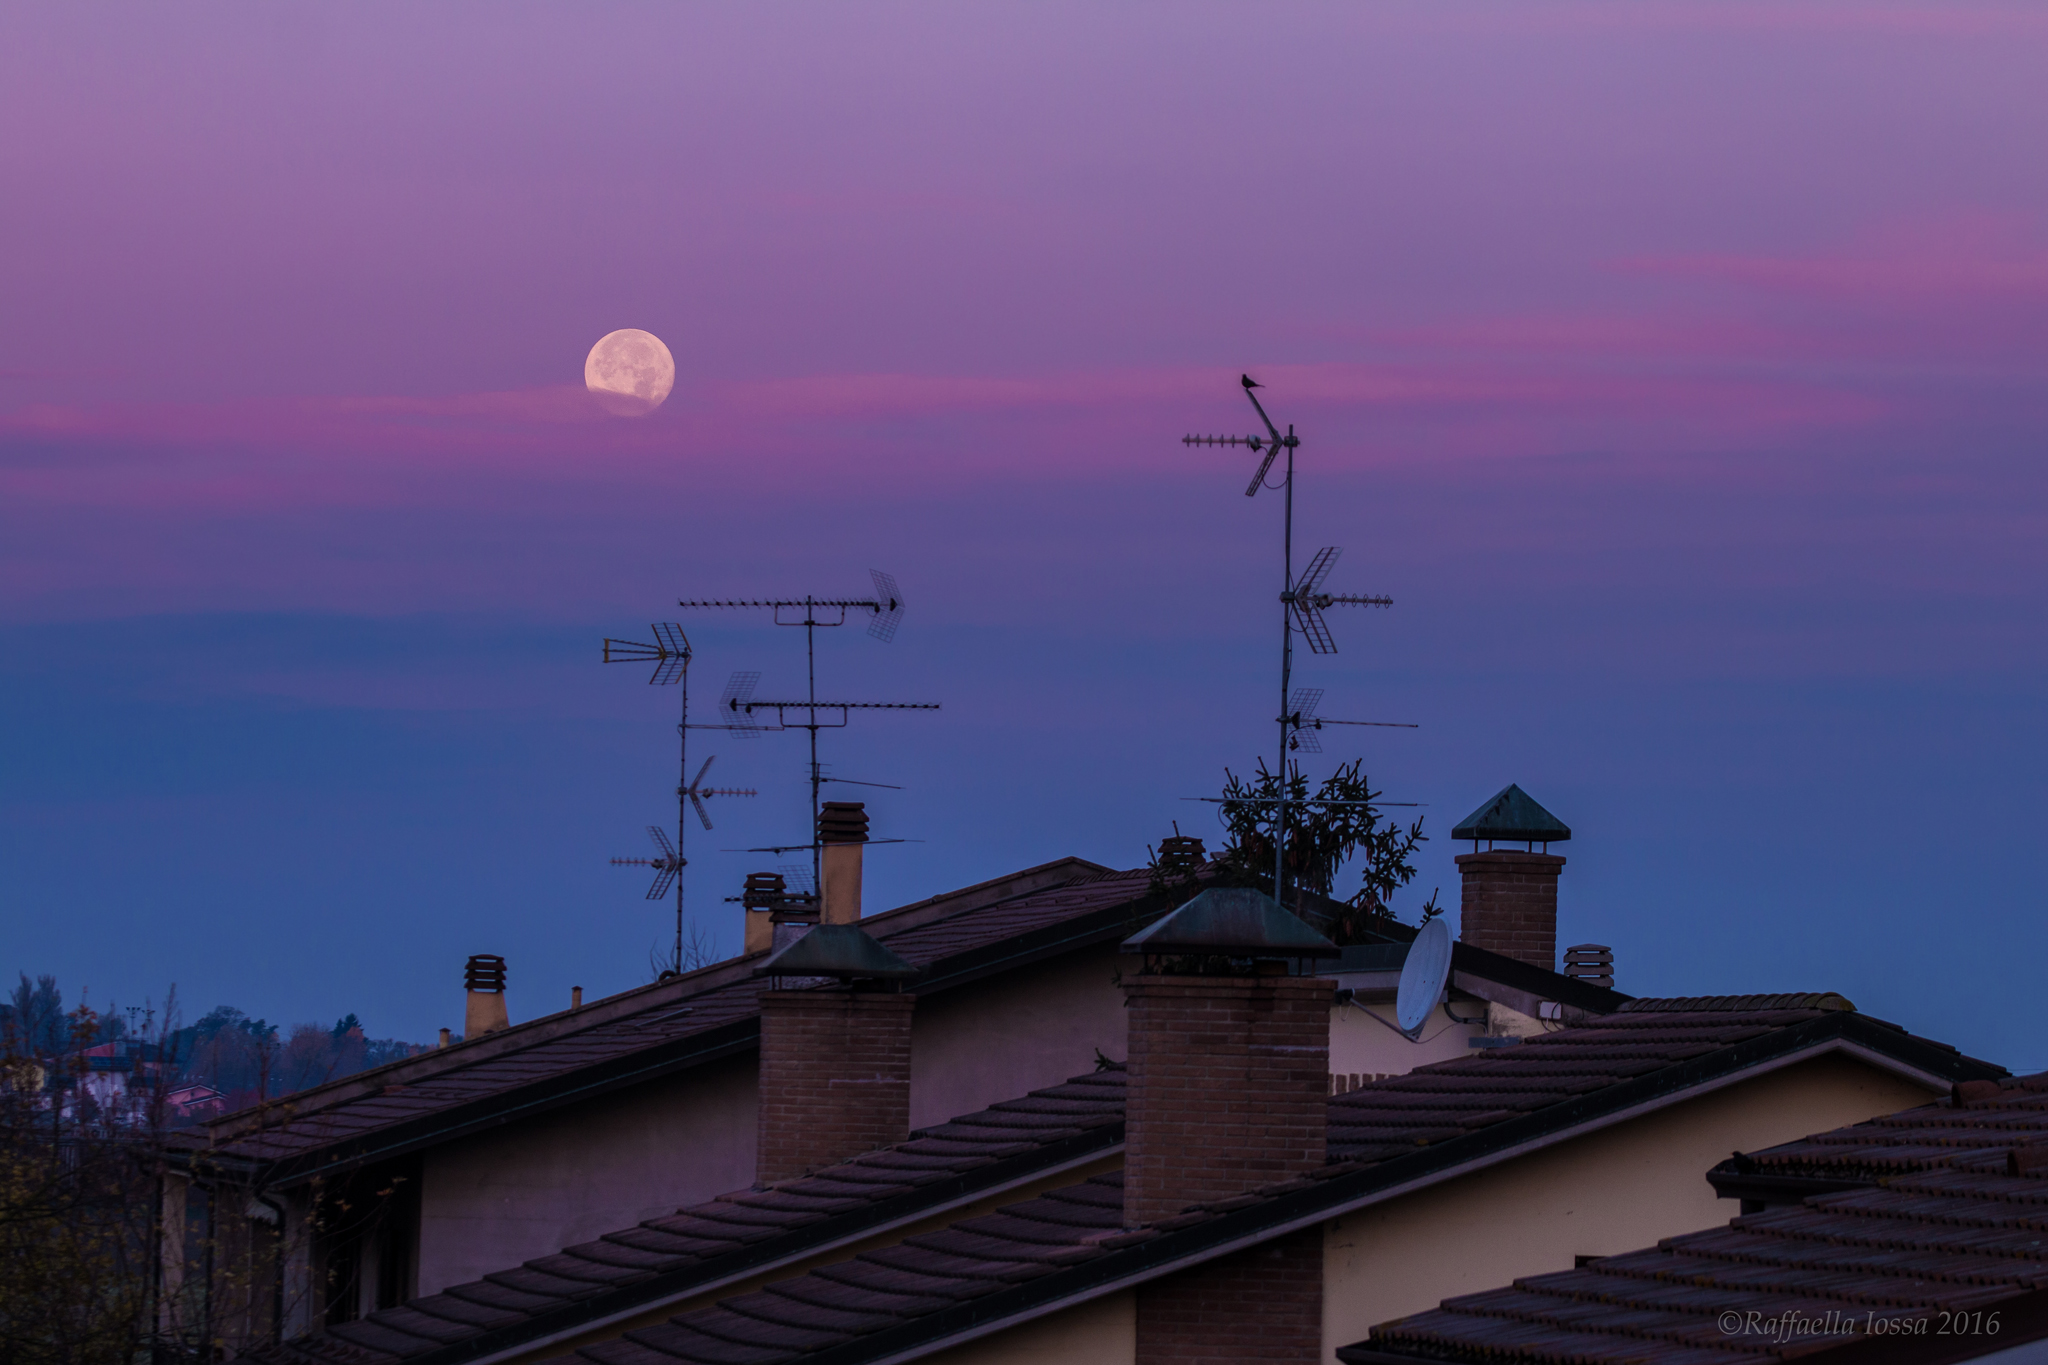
(1509, 900)
(1229, 1073)
(835, 1061)
(484, 978)
(1228, 1090)
(842, 829)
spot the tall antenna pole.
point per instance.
(811, 682)
(1275, 444)
(670, 655)
(1286, 660)
(682, 805)
(1302, 603)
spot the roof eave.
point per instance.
(836, 1234)
(1333, 1196)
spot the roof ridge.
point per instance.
(1717, 1004)
(607, 1032)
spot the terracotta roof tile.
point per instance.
(997, 1253)
(1938, 1226)
(696, 1238)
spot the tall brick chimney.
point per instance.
(835, 1061)
(1229, 1070)
(483, 977)
(842, 829)
(1509, 900)
(1228, 1090)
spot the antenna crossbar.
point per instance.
(739, 705)
(834, 705)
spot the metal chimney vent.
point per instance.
(843, 822)
(484, 972)
(1180, 855)
(1592, 963)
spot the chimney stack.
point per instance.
(776, 917)
(842, 829)
(484, 979)
(1229, 1070)
(835, 1061)
(1509, 901)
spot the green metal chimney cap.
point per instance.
(843, 950)
(1513, 814)
(1232, 921)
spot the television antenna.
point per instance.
(738, 704)
(1302, 600)
(670, 655)
(1303, 722)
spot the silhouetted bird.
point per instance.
(1249, 382)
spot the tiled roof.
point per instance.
(1449, 1099)
(1069, 1244)
(1738, 1004)
(1950, 1218)
(745, 1231)
(650, 1032)
(707, 1015)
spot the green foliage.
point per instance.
(1322, 839)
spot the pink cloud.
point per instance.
(1961, 259)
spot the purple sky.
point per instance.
(1679, 368)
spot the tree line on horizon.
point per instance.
(247, 1060)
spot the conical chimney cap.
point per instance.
(1232, 921)
(1513, 815)
(846, 951)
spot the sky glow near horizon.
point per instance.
(1678, 369)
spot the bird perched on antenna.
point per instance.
(1249, 382)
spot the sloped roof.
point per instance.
(942, 1287)
(1948, 1215)
(736, 1234)
(645, 1033)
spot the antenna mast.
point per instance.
(738, 705)
(1302, 603)
(670, 655)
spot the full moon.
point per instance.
(629, 372)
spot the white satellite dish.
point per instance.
(1423, 977)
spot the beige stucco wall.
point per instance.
(1104, 1332)
(494, 1200)
(1364, 1042)
(1013, 1033)
(1609, 1191)
(1616, 1190)
(490, 1202)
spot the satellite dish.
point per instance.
(1423, 977)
